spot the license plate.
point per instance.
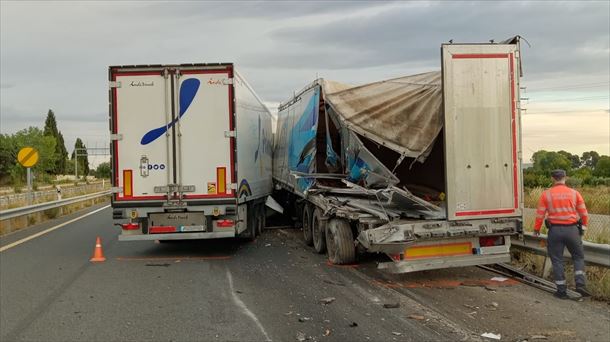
(192, 228)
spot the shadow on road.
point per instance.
(184, 249)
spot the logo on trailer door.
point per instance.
(188, 90)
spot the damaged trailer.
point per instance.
(425, 169)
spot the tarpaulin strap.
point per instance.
(579, 272)
(560, 282)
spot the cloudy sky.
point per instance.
(55, 54)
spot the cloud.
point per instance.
(248, 10)
(56, 54)
(414, 32)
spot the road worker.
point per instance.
(563, 207)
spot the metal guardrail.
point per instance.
(595, 253)
(31, 209)
(49, 194)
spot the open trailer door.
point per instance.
(482, 130)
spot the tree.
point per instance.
(545, 162)
(83, 158)
(50, 129)
(34, 137)
(602, 169)
(103, 170)
(589, 159)
(573, 158)
(7, 152)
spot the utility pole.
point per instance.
(78, 152)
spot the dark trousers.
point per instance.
(558, 238)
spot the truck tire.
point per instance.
(260, 220)
(252, 222)
(318, 231)
(307, 216)
(340, 242)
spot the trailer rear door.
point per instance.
(482, 137)
(173, 130)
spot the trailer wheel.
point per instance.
(252, 224)
(307, 216)
(260, 220)
(318, 231)
(340, 242)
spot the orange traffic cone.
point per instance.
(98, 255)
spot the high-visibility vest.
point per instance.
(562, 205)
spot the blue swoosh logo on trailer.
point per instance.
(188, 90)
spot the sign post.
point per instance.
(28, 157)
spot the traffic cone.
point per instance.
(98, 255)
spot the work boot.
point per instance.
(561, 295)
(583, 291)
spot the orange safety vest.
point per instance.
(562, 205)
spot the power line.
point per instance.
(588, 98)
(569, 111)
(574, 86)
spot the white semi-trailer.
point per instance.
(191, 152)
(424, 168)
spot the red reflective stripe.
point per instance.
(161, 229)
(485, 212)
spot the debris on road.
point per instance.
(538, 337)
(267, 245)
(492, 336)
(396, 333)
(493, 305)
(301, 337)
(327, 332)
(500, 279)
(391, 305)
(327, 300)
(304, 319)
(288, 313)
(333, 282)
(471, 307)
(417, 317)
(353, 325)
(490, 289)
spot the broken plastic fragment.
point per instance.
(492, 336)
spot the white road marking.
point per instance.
(16, 243)
(244, 308)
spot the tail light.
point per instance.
(130, 226)
(225, 223)
(396, 257)
(490, 241)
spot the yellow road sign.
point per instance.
(27, 156)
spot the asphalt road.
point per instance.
(270, 289)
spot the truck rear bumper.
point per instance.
(177, 236)
(406, 266)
